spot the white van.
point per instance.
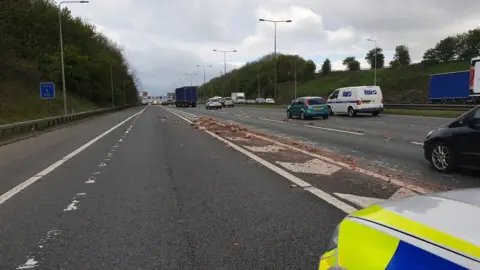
(356, 99)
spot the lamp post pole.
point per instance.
(61, 49)
(275, 50)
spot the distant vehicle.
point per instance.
(186, 96)
(456, 87)
(228, 102)
(308, 107)
(270, 101)
(213, 103)
(356, 99)
(238, 97)
(456, 144)
(415, 232)
(155, 102)
(260, 100)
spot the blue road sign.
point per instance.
(47, 90)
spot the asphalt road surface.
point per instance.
(142, 189)
(387, 141)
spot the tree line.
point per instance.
(462, 46)
(30, 53)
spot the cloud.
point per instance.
(164, 40)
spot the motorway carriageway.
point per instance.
(145, 188)
(386, 142)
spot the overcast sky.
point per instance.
(163, 39)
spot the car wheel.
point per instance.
(330, 112)
(442, 158)
(302, 116)
(375, 113)
(325, 117)
(289, 115)
(351, 112)
(206, 107)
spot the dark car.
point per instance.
(456, 144)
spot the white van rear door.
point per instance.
(371, 95)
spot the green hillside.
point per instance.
(407, 84)
(30, 54)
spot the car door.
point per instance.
(470, 139)
(465, 139)
(295, 110)
(333, 101)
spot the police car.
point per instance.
(357, 99)
(435, 231)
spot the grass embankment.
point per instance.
(19, 103)
(401, 85)
(429, 113)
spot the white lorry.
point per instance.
(238, 97)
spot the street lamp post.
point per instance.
(275, 51)
(204, 78)
(224, 62)
(375, 66)
(61, 49)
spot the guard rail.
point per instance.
(39, 124)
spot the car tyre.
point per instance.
(330, 111)
(351, 112)
(289, 115)
(302, 116)
(441, 158)
(375, 113)
(325, 117)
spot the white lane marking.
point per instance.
(417, 143)
(121, 140)
(336, 130)
(90, 180)
(376, 122)
(95, 173)
(271, 120)
(32, 258)
(292, 178)
(241, 115)
(367, 201)
(81, 194)
(72, 206)
(12, 192)
(29, 264)
(102, 164)
(347, 166)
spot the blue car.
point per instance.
(308, 107)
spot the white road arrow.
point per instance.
(367, 201)
(314, 166)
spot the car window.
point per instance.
(334, 94)
(476, 115)
(316, 101)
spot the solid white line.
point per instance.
(417, 143)
(12, 192)
(336, 130)
(292, 178)
(271, 120)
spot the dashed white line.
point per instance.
(72, 206)
(271, 120)
(335, 130)
(102, 164)
(31, 263)
(91, 180)
(417, 143)
(12, 192)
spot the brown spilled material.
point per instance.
(230, 130)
